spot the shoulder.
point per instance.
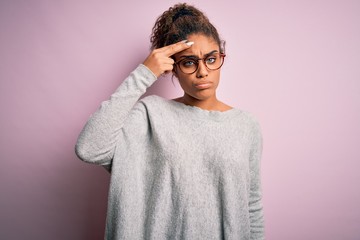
(254, 128)
(145, 106)
(153, 104)
(251, 118)
(246, 117)
(249, 121)
(152, 100)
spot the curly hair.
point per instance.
(180, 21)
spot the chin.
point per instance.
(203, 95)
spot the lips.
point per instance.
(202, 85)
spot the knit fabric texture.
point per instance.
(177, 171)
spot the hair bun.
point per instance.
(182, 12)
(178, 22)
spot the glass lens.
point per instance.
(190, 65)
(213, 62)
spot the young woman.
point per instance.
(186, 168)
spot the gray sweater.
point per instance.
(177, 171)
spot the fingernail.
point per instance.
(184, 41)
(189, 43)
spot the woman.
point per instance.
(186, 168)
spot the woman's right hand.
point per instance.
(159, 60)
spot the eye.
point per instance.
(188, 63)
(211, 60)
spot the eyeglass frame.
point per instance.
(222, 57)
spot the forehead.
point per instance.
(202, 46)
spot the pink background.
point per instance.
(294, 64)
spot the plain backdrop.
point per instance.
(294, 64)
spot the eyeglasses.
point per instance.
(189, 65)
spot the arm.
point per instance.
(97, 140)
(255, 204)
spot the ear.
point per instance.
(174, 72)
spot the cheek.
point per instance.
(216, 77)
(185, 79)
(185, 83)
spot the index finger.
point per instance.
(176, 47)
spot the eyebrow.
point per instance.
(194, 56)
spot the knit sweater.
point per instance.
(177, 171)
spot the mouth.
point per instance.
(202, 85)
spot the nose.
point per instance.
(202, 70)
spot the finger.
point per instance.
(169, 67)
(168, 61)
(176, 47)
(165, 48)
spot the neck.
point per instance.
(210, 103)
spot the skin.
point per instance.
(200, 86)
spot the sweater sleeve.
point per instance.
(97, 140)
(255, 200)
